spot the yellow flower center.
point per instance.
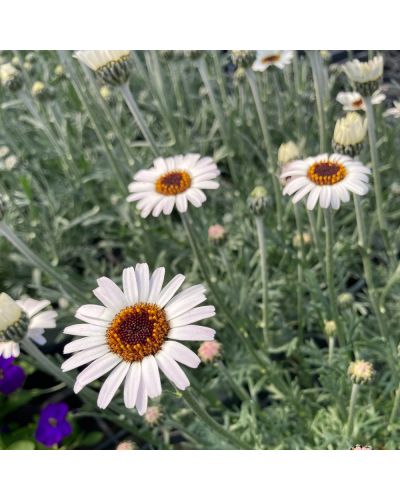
(173, 183)
(357, 104)
(137, 331)
(326, 173)
(271, 59)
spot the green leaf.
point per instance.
(22, 445)
(92, 439)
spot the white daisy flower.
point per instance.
(267, 58)
(365, 76)
(134, 335)
(173, 181)
(12, 313)
(353, 101)
(112, 66)
(395, 112)
(329, 178)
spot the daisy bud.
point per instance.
(243, 58)
(395, 188)
(239, 77)
(42, 92)
(153, 415)
(361, 372)
(15, 62)
(11, 77)
(330, 328)
(365, 76)
(13, 320)
(4, 150)
(3, 208)
(168, 55)
(31, 57)
(11, 162)
(108, 95)
(326, 56)
(258, 201)
(194, 54)
(59, 71)
(29, 68)
(345, 301)
(349, 135)
(217, 235)
(112, 66)
(358, 447)
(127, 445)
(210, 351)
(288, 152)
(297, 240)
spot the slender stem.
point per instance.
(199, 256)
(353, 400)
(301, 255)
(268, 144)
(194, 405)
(220, 79)
(350, 55)
(395, 409)
(264, 277)
(316, 66)
(239, 391)
(130, 101)
(377, 177)
(278, 97)
(72, 290)
(331, 348)
(228, 270)
(329, 276)
(225, 137)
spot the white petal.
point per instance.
(141, 399)
(142, 279)
(156, 283)
(313, 197)
(113, 296)
(206, 185)
(325, 196)
(189, 292)
(183, 306)
(96, 312)
(98, 368)
(37, 337)
(130, 286)
(302, 192)
(335, 199)
(192, 316)
(169, 290)
(44, 320)
(132, 382)
(172, 370)
(191, 332)
(151, 376)
(84, 357)
(181, 203)
(85, 330)
(32, 306)
(181, 353)
(85, 343)
(112, 384)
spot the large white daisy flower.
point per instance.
(327, 178)
(267, 58)
(96, 59)
(395, 112)
(173, 181)
(353, 101)
(134, 335)
(10, 314)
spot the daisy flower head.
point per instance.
(112, 66)
(349, 134)
(267, 58)
(353, 101)
(11, 77)
(365, 76)
(395, 111)
(20, 318)
(327, 178)
(173, 181)
(134, 334)
(361, 372)
(243, 58)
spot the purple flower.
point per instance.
(52, 426)
(11, 377)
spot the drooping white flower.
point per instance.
(171, 181)
(112, 66)
(11, 313)
(327, 178)
(395, 111)
(267, 58)
(135, 335)
(353, 101)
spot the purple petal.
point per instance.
(13, 379)
(65, 428)
(48, 435)
(61, 411)
(50, 411)
(5, 363)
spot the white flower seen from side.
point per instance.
(267, 58)
(395, 111)
(353, 101)
(135, 335)
(327, 178)
(96, 59)
(173, 181)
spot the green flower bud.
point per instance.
(258, 201)
(243, 58)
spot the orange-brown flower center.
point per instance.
(326, 173)
(358, 103)
(173, 183)
(271, 59)
(137, 331)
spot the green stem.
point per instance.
(329, 276)
(353, 400)
(316, 66)
(377, 177)
(72, 290)
(194, 405)
(301, 256)
(278, 98)
(220, 79)
(268, 144)
(199, 256)
(228, 269)
(264, 277)
(239, 391)
(331, 349)
(131, 103)
(395, 409)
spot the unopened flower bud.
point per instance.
(210, 351)
(29, 68)
(288, 152)
(395, 188)
(358, 447)
(217, 235)
(153, 415)
(127, 445)
(239, 77)
(3, 208)
(365, 76)
(361, 372)
(330, 328)
(326, 56)
(16, 62)
(13, 320)
(31, 57)
(345, 301)
(4, 150)
(168, 55)
(111, 66)
(297, 240)
(42, 92)
(243, 58)
(59, 71)
(108, 95)
(349, 135)
(12, 162)
(258, 201)
(11, 77)
(194, 54)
